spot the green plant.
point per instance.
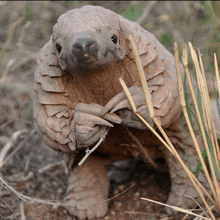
(134, 11)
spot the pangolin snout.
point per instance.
(85, 48)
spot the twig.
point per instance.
(10, 144)
(27, 198)
(148, 6)
(176, 208)
(202, 214)
(7, 147)
(116, 195)
(23, 32)
(197, 204)
(51, 165)
(19, 177)
(6, 123)
(34, 200)
(22, 211)
(143, 213)
(5, 193)
(10, 36)
(32, 56)
(12, 216)
(7, 70)
(88, 151)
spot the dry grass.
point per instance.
(213, 155)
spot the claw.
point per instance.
(123, 104)
(95, 137)
(83, 137)
(139, 100)
(118, 98)
(113, 118)
(85, 129)
(96, 109)
(93, 108)
(90, 120)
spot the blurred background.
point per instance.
(26, 26)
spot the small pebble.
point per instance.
(113, 212)
(59, 191)
(55, 207)
(54, 183)
(44, 186)
(121, 188)
(119, 204)
(147, 207)
(137, 194)
(116, 192)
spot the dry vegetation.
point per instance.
(39, 172)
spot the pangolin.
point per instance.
(78, 98)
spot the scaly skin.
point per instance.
(78, 96)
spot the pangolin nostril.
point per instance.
(90, 43)
(84, 46)
(77, 45)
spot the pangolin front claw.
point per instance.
(119, 98)
(139, 100)
(89, 120)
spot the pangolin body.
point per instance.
(77, 76)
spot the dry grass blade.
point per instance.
(217, 74)
(202, 214)
(167, 142)
(185, 64)
(205, 102)
(177, 209)
(218, 85)
(182, 101)
(129, 97)
(209, 117)
(131, 101)
(143, 78)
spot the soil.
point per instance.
(37, 171)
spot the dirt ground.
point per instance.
(36, 171)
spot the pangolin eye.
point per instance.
(58, 47)
(114, 39)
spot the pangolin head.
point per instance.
(88, 38)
